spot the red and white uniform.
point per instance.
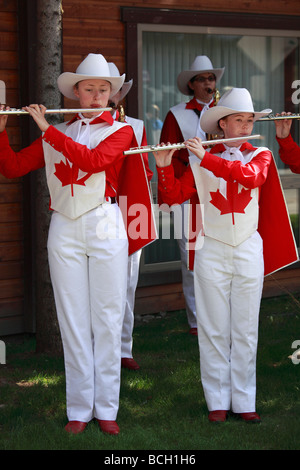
(289, 153)
(231, 262)
(181, 123)
(88, 251)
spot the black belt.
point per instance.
(112, 200)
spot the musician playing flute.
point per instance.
(289, 151)
(240, 239)
(181, 123)
(138, 127)
(87, 244)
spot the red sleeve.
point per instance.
(105, 155)
(16, 164)
(173, 190)
(171, 133)
(289, 153)
(250, 175)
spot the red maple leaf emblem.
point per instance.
(68, 174)
(235, 201)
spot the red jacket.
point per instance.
(289, 153)
(124, 176)
(108, 156)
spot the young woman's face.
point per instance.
(237, 125)
(92, 94)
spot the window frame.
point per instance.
(132, 17)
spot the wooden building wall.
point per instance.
(96, 26)
(11, 191)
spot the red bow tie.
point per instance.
(105, 117)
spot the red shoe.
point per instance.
(108, 427)
(193, 331)
(217, 416)
(75, 427)
(251, 417)
(129, 363)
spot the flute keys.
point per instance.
(13, 111)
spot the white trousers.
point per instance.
(128, 323)
(187, 275)
(228, 288)
(187, 285)
(88, 266)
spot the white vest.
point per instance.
(137, 126)
(229, 210)
(85, 191)
(188, 121)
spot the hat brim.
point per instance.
(209, 120)
(185, 76)
(126, 87)
(67, 80)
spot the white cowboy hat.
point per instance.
(234, 101)
(114, 71)
(94, 66)
(201, 64)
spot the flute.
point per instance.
(21, 112)
(157, 148)
(271, 117)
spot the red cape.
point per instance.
(274, 226)
(135, 202)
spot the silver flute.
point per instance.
(272, 117)
(21, 112)
(157, 148)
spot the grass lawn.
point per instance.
(162, 407)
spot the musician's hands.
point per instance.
(3, 117)
(283, 126)
(195, 146)
(163, 157)
(37, 111)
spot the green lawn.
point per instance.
(162, 406)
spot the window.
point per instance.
(257, 61)
(263, 60)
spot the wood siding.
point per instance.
(11, 191)
(169, 297)
(96, 26)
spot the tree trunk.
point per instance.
(48, 68)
